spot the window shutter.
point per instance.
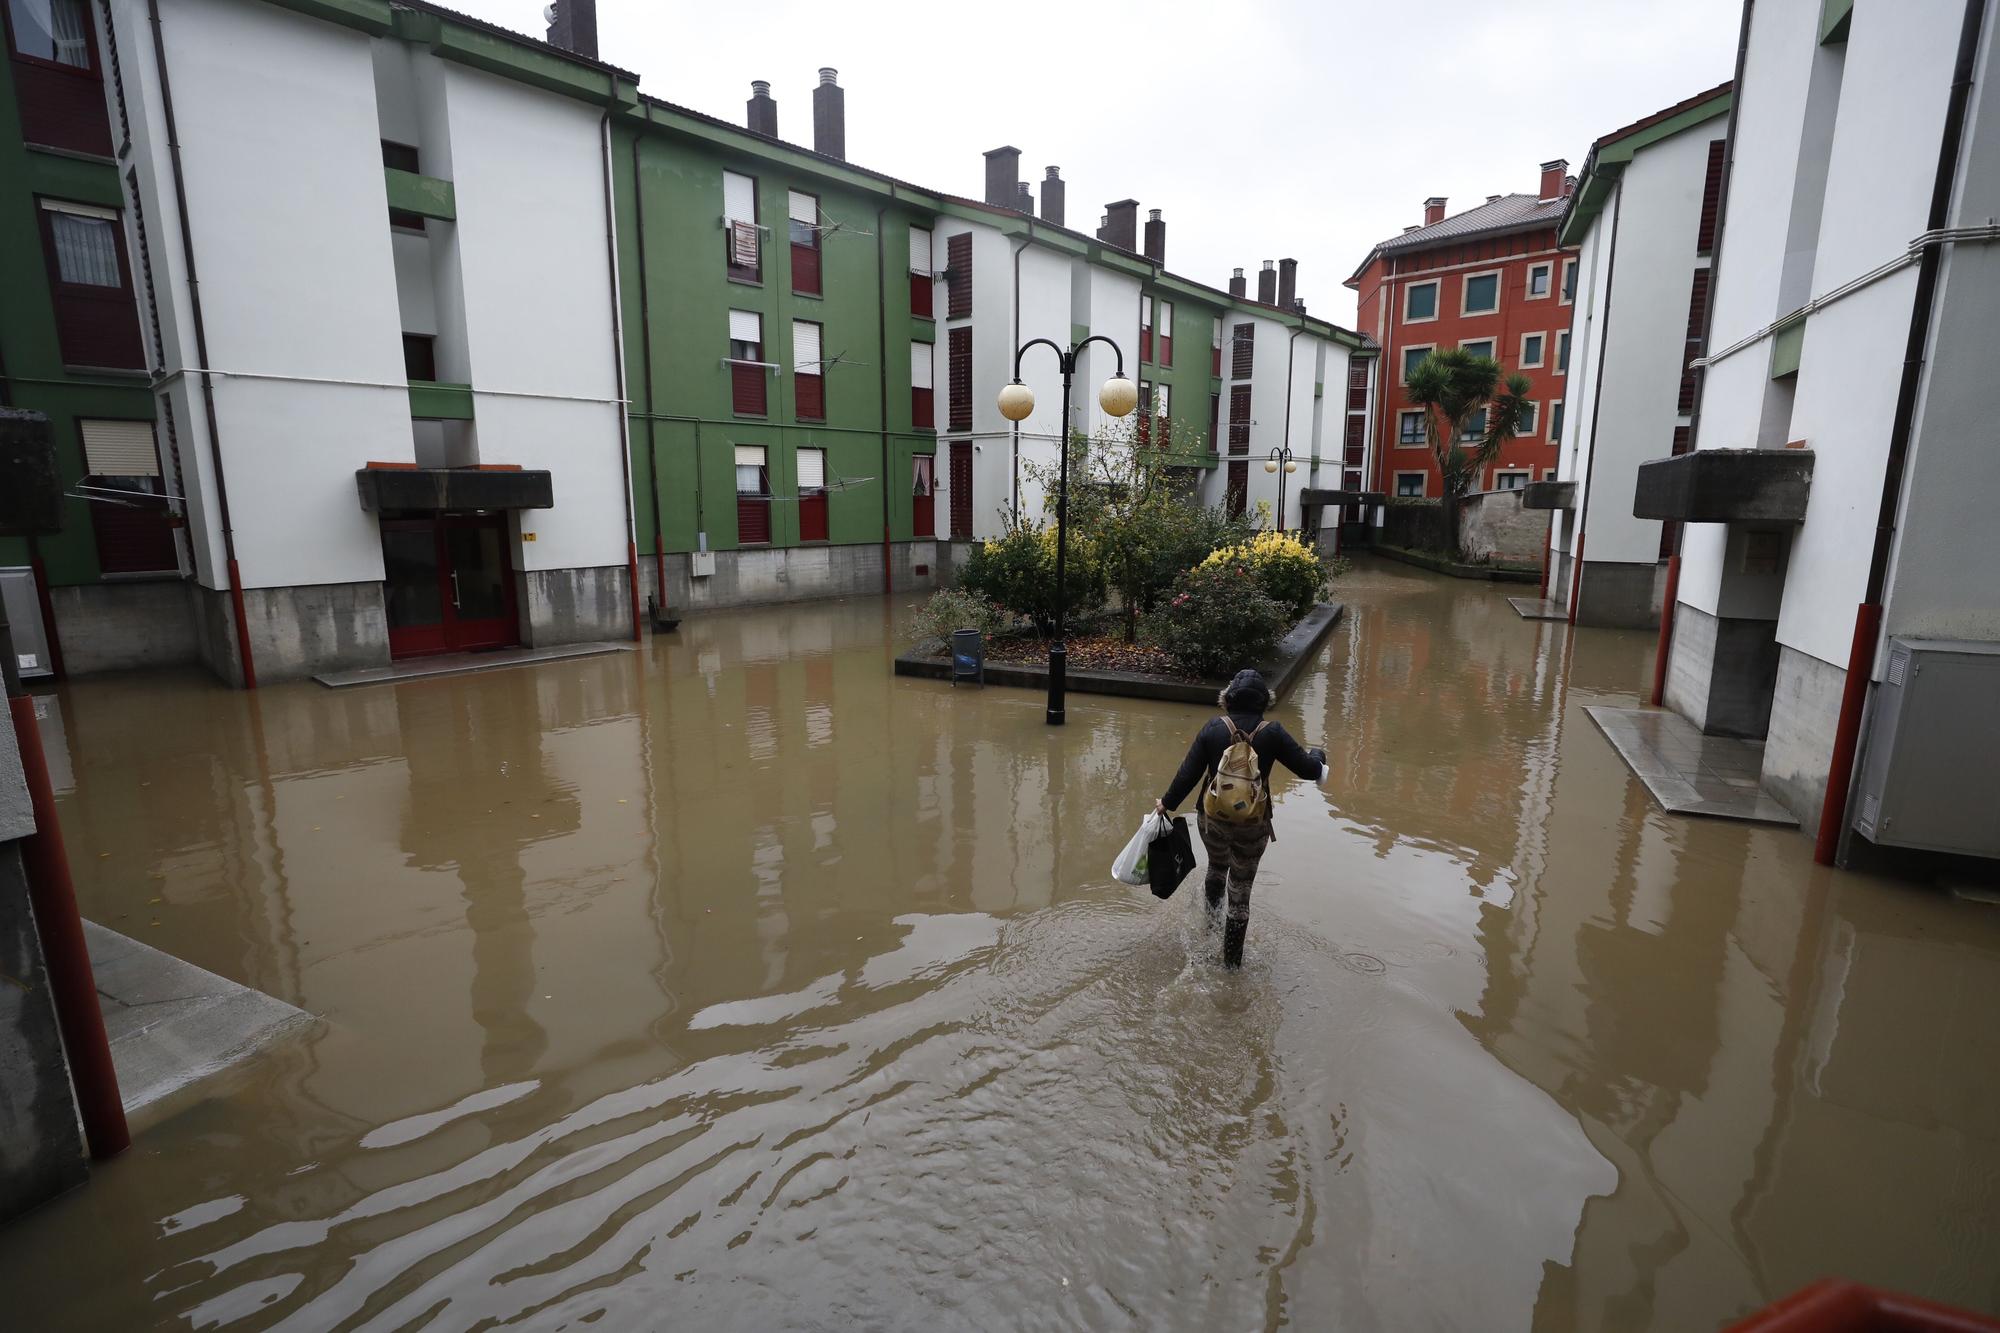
(958, 258)
(739, 197)
(119, 449)
(1711, 199)
(805, 347)
(812, 469)
(920, 251)
(803, 208)
(960, 371)
(920, 365)
(746, 326)
(1357, 386)
(1244, 351)
(1166, 319)
(1697, 319)
(1239, 419)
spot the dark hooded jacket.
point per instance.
(1244, 700)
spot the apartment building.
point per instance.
(1835, 593)
(1642, 221)
(1494, 280)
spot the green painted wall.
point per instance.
(33, 372)
(684, 432)
(1188, 398)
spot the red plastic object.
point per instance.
(1833, 1305)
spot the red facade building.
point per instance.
(1491, 279)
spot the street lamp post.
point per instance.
(1281, 462)
(1118, 397)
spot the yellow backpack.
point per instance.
(1237, 794)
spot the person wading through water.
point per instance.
(1232, 757)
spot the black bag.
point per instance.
(1169, 859)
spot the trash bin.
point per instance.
(968, 656)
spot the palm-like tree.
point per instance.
(1454, 388)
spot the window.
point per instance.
(57, 31)
(746, 363)
(1420, 302)
(1357, 385)
(1555, 421)
(420, 356)
(1142, 416)
(133, 536)
(920, 272)
(1482, 294)
(1531, 350)
(97, 316)
(812, 495)
(401, 157)
(1237, 493)
(958, 276)
(1410, 429)
(1239, 419)
(1711, 200)
(1562, 352)
(1569, 281)
(753, 495)
(1243, 351)
(1530, 421)
(1697, 332)
(1479, 347)
(1410, 485)
(742, 238)
(1474, 428)
(1215, 348)
(808, 372)
(923, 496)
(961, 489)
(1166, 332)
(1538, 281)
(1512, 480)
(923, 411)
(958, 377)
(802, 222)
(1145, 329)
(1414, 357)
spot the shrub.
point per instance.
(1198, 530)
(1218, 620)
(952, 609)
(1017, 573)
(1288, 571)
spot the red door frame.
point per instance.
(451, 634)
(923, 496)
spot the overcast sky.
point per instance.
(1266, 129)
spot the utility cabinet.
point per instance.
(1932, 765)
(24, 620)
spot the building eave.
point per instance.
(1611, 154)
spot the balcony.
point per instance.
(434, 401)
(424, 196)
(1726, 486)
(1549, 495)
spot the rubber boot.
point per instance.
(1213, 893)
(1232, 941)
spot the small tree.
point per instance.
(1454, 388)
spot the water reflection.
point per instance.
(736, 976)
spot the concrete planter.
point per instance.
(1280, 668)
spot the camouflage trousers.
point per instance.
(1233, 853)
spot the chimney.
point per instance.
(573, 26)
(1288, 282)
(1492, 198)
(1003, 176)
(1236, 287)
(1024, 200)
(1052, 197)
(1156, 237)
(1121, 224)
(829, 116)
(1434, 209)
(760, 112)
(1267, 284)
(1552, 178)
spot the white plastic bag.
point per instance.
(1130, 867)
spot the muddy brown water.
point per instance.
(737, 984)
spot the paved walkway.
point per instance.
(1687, 772)
(457, 664)
(1538, 608)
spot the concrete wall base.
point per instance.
(121, 626)
(578, 605)
(294, 632)
(1722, 671)
(1559, 577)
(1798, 752)
(1619, 596)
(804, 573)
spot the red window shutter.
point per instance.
(1697, 319)
(1239, 419)
(1215, 421)
(1355, 444)
(959, 374)
(961, 490)
(753, 519)
(1145, 344)
(1239, 489)
(805, 269)
(95, 326)
(1215, 361)
(1357, 386)
(920, 294)
(923, 411)
(1166, 349)
(1244, 349)
(134, 538)
(958, 282)
(746, 390)
(1711, 199)
(62, 106)
(812, 517)
(809, 392)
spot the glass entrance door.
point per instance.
(449, 584)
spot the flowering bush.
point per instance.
(952, 609)
(1017, 573)
(1218, 620)
(1288, 571)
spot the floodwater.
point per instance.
(737, 984)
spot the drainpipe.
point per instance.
(652, 400)
(882, 370)
(618, 361)
(1596, 397)
(1291, 362)
(1868, 616)
(1670, 600)
(243, 652)
(1014, 427)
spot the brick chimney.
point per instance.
(1267, 284)
(1053, 190)
(1288, 282)
(1024, 199)
(1553, 178)
(1237, 287)
(1003, 176)
(573, 26)
(1121, 224)
(829, 116)
(1156, 237)
(1434, 209)
(761, 112)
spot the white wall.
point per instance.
(1586, 353)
